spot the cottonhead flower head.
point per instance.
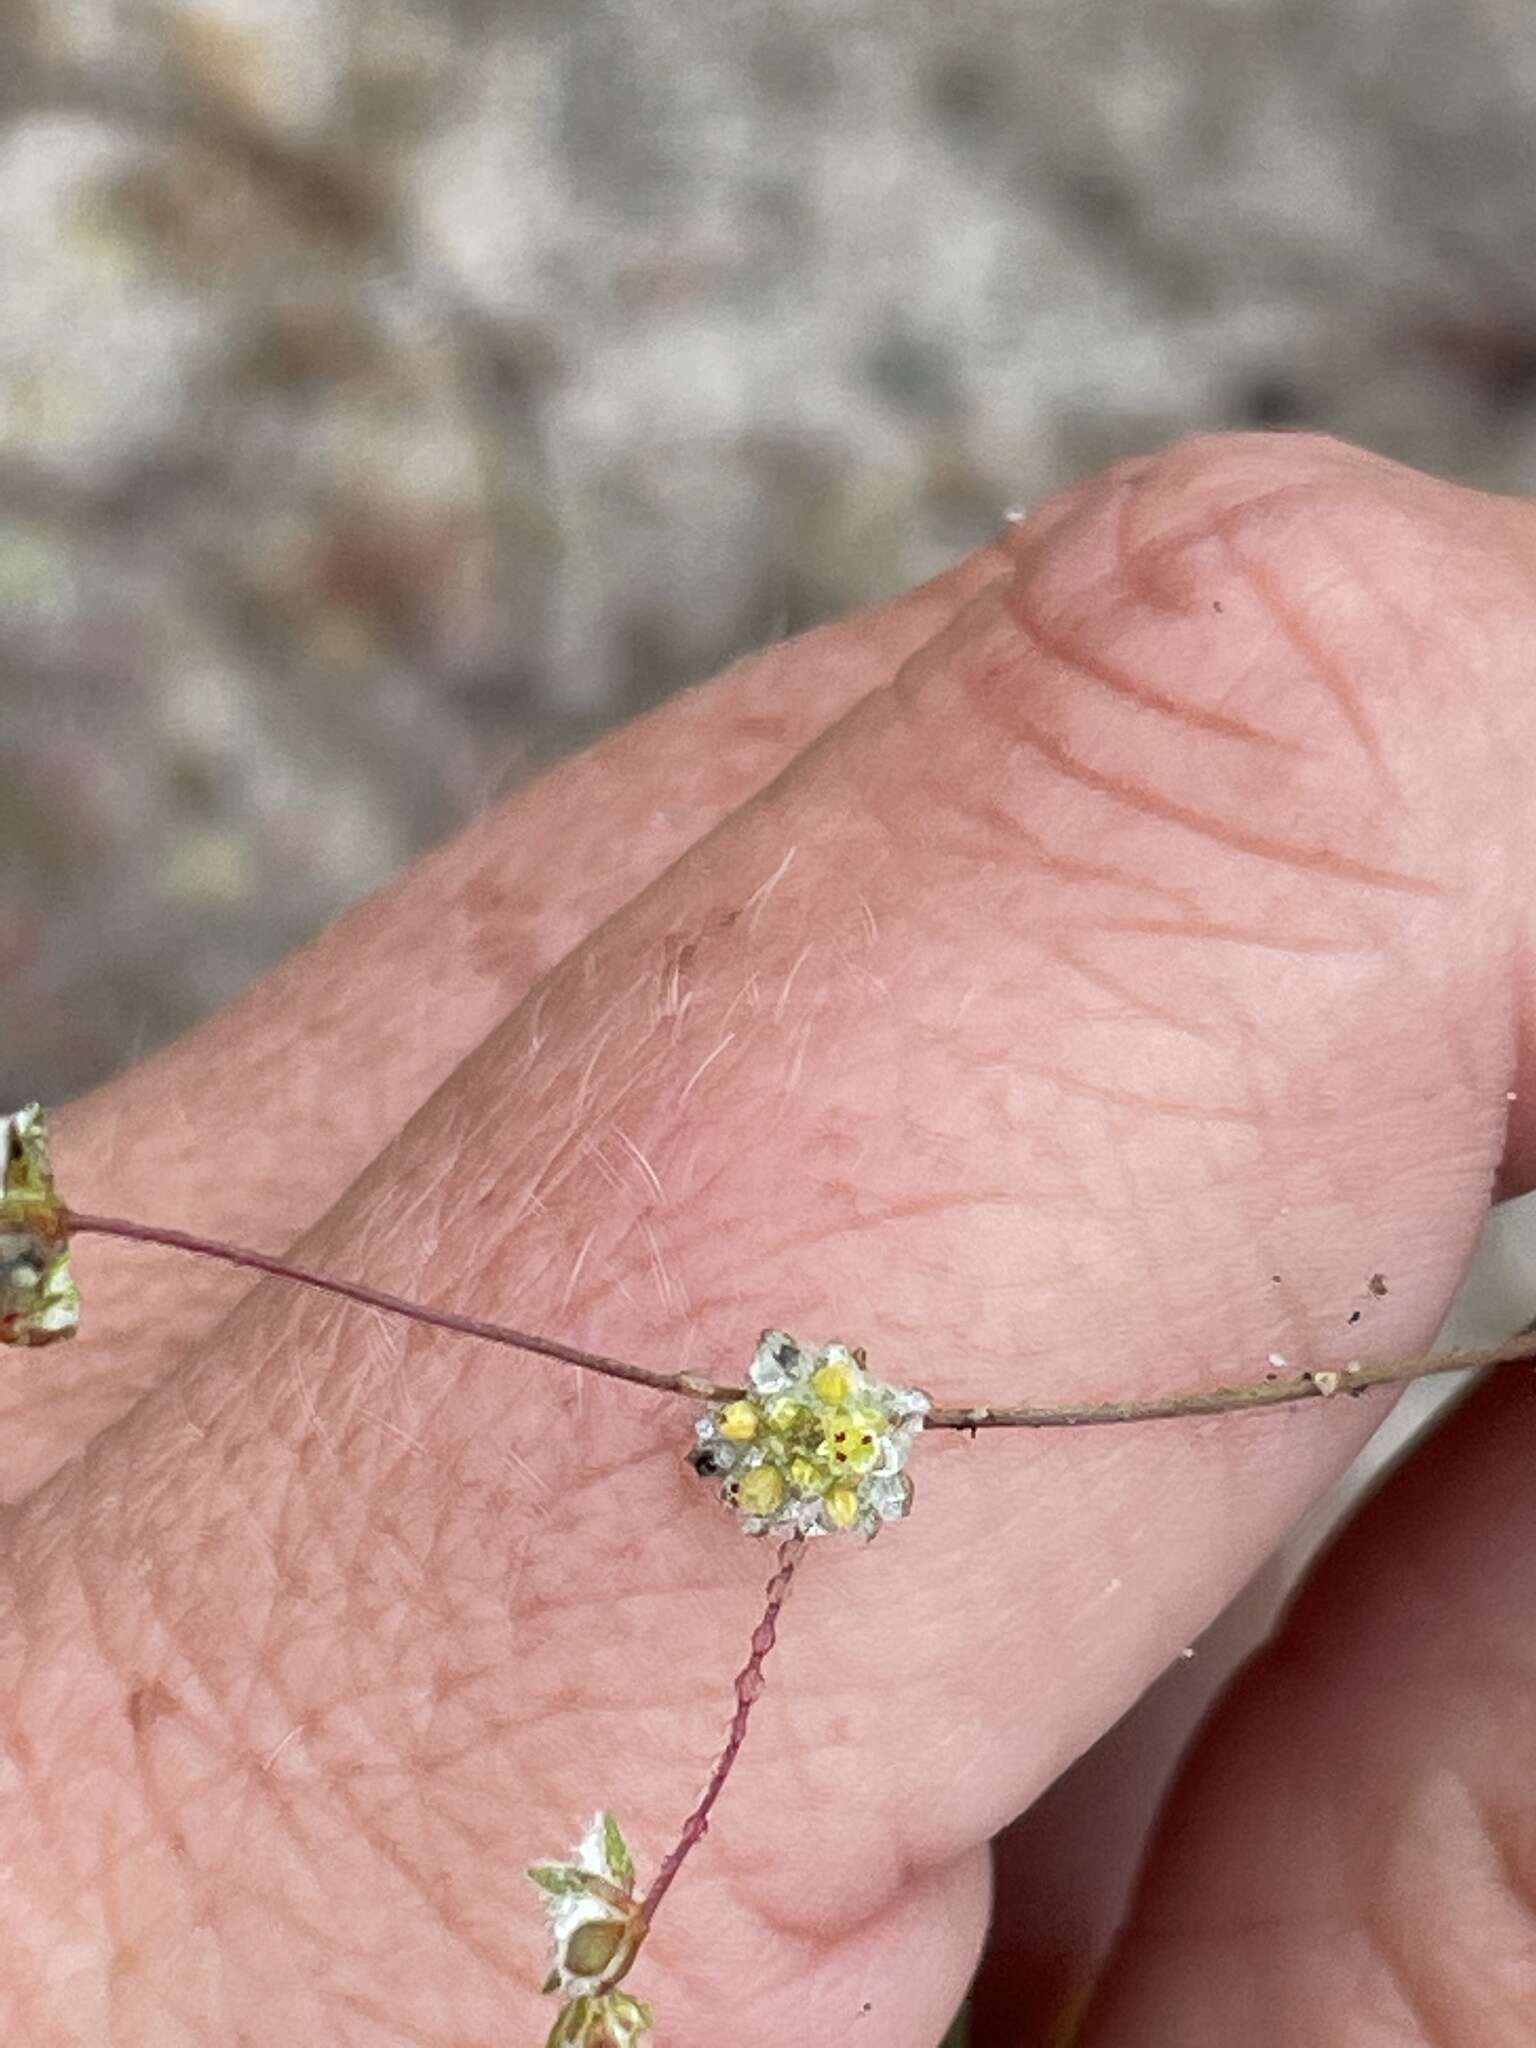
(38, 1301)
(816, 1443)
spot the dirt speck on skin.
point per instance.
(430, 389)
(149, 1703)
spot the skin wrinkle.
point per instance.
(1045, 536)
(1209, 930)
(1446, 626)
(1343, 495)
(386, 2017)
(1126, 994)
(1154, 566)
(87, 1876)
(827, 1232)
(1515, 1875)
(1167, 1311)
(1069, 870)
(422, 1203)
(1408, 1963)
(1506, 750)
(1126, 1098)
(1475, 1082)
(854, 1992)
(159, 1823)
(1163, 809)
(375, 1834)
(1072, 655)
(1321, 662)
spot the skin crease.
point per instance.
(1158, 930)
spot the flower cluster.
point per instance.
(816, 1443)
(38, 1301)
(597, 1929)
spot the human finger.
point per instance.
(1101, 1004)
(1064, 1871)
(1350, 1854)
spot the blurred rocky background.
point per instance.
(393, 394)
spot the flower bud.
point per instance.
(593, 1947)
(38, 1300)
(761, 1490)
(738, 1422)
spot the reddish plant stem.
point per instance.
(397, 1305)
(749, 1687)
(1273, 1390)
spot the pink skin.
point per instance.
(1157, 930)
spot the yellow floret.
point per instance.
(850, 1441)
(805, 1474)
(843, 1506)
(834, 1383)
(784, 1413)
(738, 1422)
(761, 1490)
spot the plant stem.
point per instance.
(1274, 1390)
(397, 1305)
(749, 1687)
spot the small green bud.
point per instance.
(594, 1919)
(593, 1947)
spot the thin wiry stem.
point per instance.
(749, 1688)
(1274, 1390)
(397, 1305)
